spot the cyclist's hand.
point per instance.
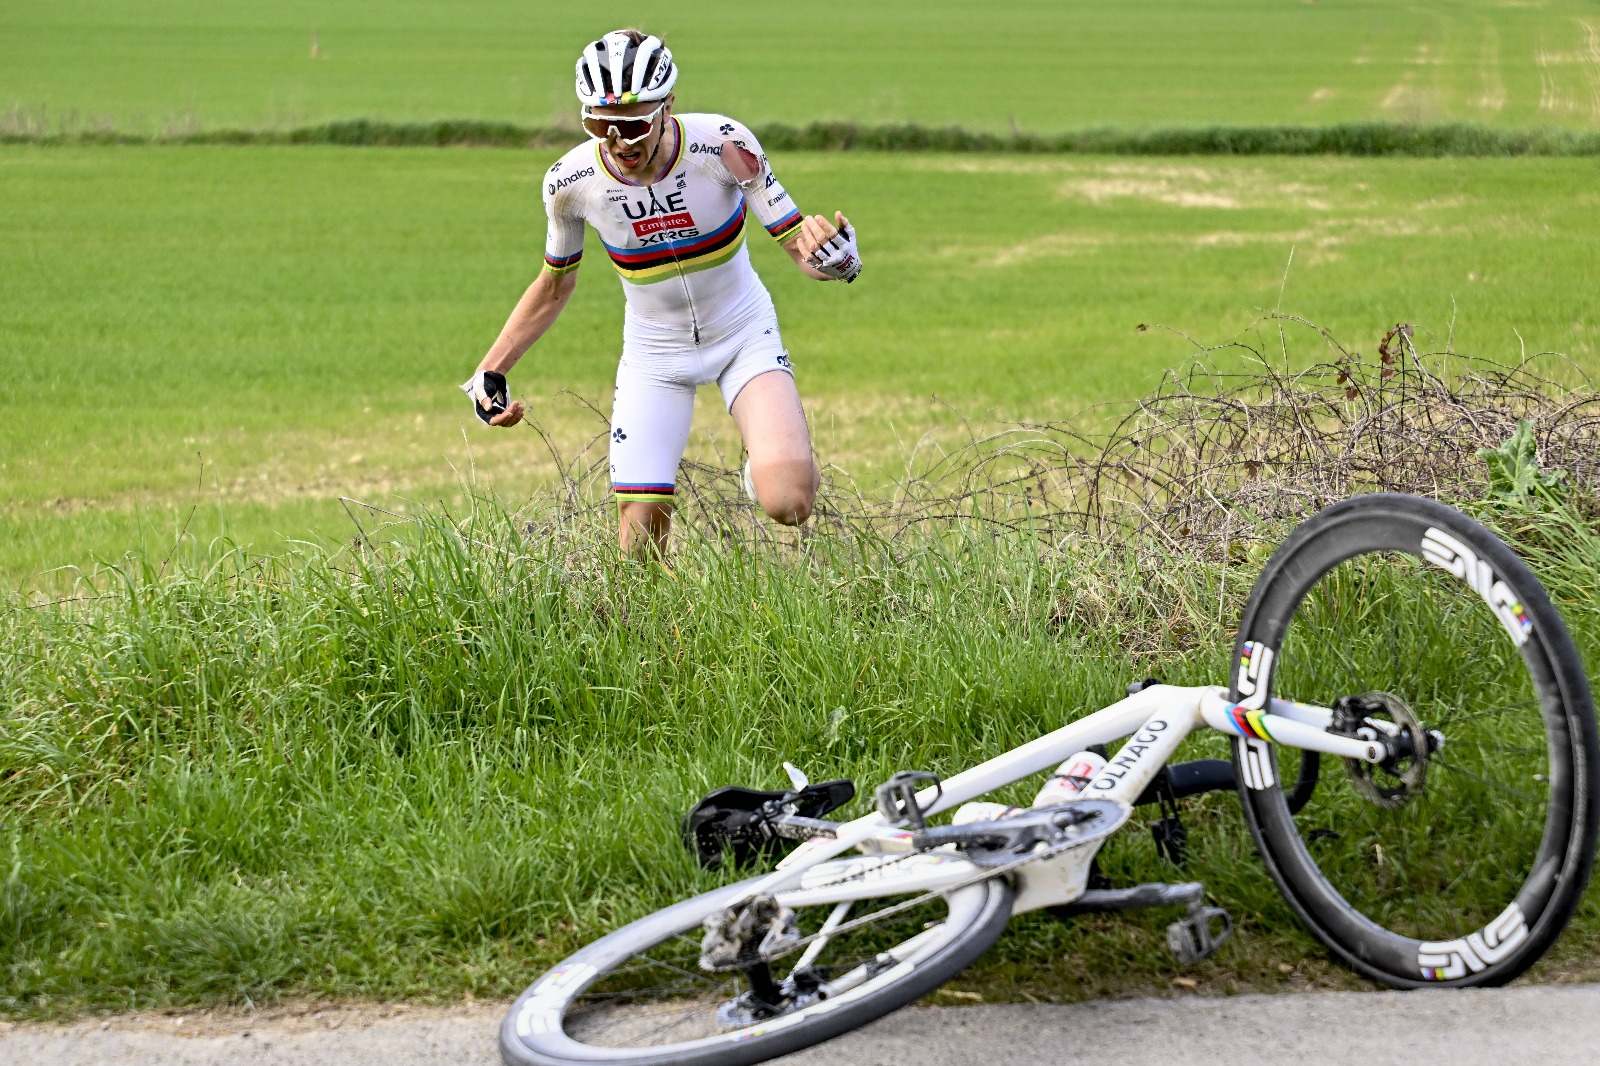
(815, 231)
(510, 416)
(491, 399)
(830, 248)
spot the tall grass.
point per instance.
(436, 766)
(434, 761)
(436, 757)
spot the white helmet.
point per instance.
(625, 67)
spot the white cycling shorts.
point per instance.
(656, 383)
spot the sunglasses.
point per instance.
(628, 130)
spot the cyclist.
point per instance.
(668, 195)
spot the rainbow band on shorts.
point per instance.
(648, 493)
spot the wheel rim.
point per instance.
(1447, 885)
(638, 998)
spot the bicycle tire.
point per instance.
(1463, 895)
(534, 1032)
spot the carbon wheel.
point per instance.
(1460, 860)
(639, 997)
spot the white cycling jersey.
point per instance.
(678, 244)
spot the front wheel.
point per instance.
(1460, 862)
(639, 997)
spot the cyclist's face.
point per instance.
(632, 158)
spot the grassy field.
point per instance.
(178, 64)
(252, 332)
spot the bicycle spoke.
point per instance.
(692, 974)
(1497, 786)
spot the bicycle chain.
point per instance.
(898, 908)
(1039, 853)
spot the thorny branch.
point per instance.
(1212, 459)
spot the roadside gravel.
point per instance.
(1550, 1025)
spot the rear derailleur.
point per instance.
(743, 939)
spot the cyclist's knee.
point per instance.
(787, 491)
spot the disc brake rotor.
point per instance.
(1382, 716)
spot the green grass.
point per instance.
(1040, 66)
(429, 768)
(247, 333)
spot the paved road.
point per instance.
(1550, 1026)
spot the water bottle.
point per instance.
(1069, 779)
(968, 813)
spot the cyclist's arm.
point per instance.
(747, 166)
(534, 314)
(796, 234)
(542, 304)
(545, 299)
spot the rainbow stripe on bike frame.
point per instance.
(1249, 723)
(1296, 724)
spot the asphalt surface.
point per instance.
(1549, 1025)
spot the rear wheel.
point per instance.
(638, 996)
(1460, 860)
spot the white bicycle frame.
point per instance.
(1157, 720)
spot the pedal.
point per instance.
(897, 798)
(1195, 936)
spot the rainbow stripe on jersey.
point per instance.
(562, 264)
(642, 266)
(786, 227)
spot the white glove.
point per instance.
(487, 385)
(837, 257)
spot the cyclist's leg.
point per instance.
(650, 420)
(769, 416)
(642, 527)
(759, 388)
